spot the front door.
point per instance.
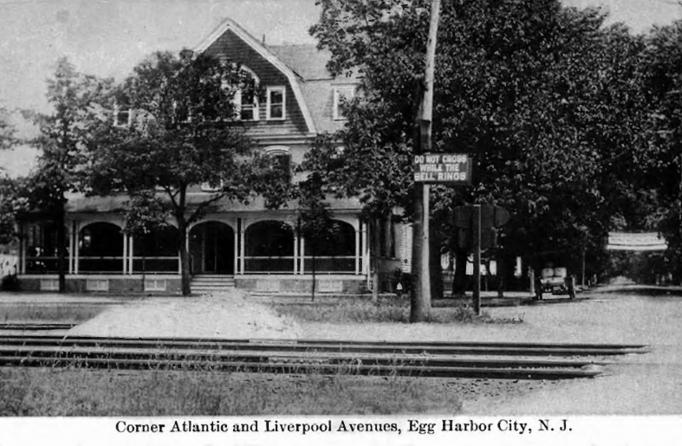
(212, 248)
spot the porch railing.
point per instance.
(100, 264)
(42, 265)
(330, 264)
(156, 264)
(265, 264)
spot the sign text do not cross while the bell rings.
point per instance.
(442, 168)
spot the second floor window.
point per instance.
(281, 160)
(122, 116)
(276, 103)
(341, 93)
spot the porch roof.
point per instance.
(79, 203)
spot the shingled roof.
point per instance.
(305, 60)
(304, 65)
(316, 82)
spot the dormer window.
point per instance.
(245, 95)
(122, 116)
(341, 94)
(275, 107)
(246, 105)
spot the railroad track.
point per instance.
(36, 326)
(432, 359)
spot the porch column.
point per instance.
(72, 244)
(365, 247)
(131, 251)
(192, 267)
(125, 254)
(302, 256)
(357, 248)
(76, 251)
(241, 248)
(22, 250)
(236, 246)
(295, 253)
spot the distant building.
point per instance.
(235, 244)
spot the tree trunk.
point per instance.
(459, 280)
(376, 252)
(312, 286)
(61, 246)
(436, 273)
(186, 277)
(501, 273)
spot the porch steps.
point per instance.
(202, 283)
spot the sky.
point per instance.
(108, 37)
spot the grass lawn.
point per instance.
(391, 309)
(49, 312)
(81, 392)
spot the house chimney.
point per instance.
(186, 55)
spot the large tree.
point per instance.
(8, 187)
(182, 132)
(7, 131)
(663, 87)
(540, 95)
(63, 135)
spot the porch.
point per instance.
(263, 252)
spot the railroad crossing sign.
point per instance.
(442, 168)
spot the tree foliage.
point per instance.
(63, 136)
(183, 134)
(545, 98)
(7, 131)
(663, 88)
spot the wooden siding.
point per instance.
(230, 46)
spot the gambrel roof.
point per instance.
(304, 67)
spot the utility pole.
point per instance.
(476, 235)
(421, 291)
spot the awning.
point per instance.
(636, 241)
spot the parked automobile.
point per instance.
(555, 281)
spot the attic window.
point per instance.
(246, 105)
(341, 94)
(275, 108)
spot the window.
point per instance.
(122, 116)
(246, 105)
(341, 94)
(281, 159)
(275, 103)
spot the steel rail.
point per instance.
(431, 359)
(304, 368)
(210, 356)
(487, 348)
(35, 326)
